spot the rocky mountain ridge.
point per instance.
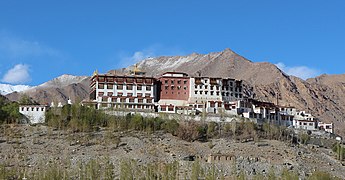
(59, 89)
(8, 88)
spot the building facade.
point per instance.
(135, 91)
(174, 93)
(34, 113)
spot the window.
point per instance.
(200, 92)
(166, 82)
(172, 87)
(131, 100)
(178, 81)
(172, 81)
(119, 87)
(196, 87)
(205, 81)
(37, 109)
(166, 87)
(196, 92)
(149, 101)
(185, 87)
(178, 87)
(110, 86)
(101, 79)
(206, 86)
(129, 87)
(100, 86)
(140, 100)
(139, 87)
(231, 84)
(148, 88)
(217, 93)
(206, 92)
(310, 124)
(184, 82)
(211, 87)
(212, 93)
(42, 108)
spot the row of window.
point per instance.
(127, 100)
(121, 94)
(217, 93)
(130, 106)
(32, 108)
(226, 88)
(128, 87)
(128, 80)
(166, 87)
(166, 92)
(173, 81)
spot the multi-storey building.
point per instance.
(303, 120)
(174, 92)
(328, 127)
(135, 91)
(183, 94)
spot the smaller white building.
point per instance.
(35, 113)
(328, 127)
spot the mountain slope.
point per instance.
(58, 90)
(7, 88)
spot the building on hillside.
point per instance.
(182, 94)
(34, 113)
(205, 94)
(286, 115)
(133, 91)
(174, 93)
(214, 94)
(303, 120)
(328, 127)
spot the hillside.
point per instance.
(59, 90)
(106, 152)
(7, 88)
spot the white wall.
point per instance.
(35, 114)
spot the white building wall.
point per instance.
(35, 114)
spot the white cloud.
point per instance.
(18, 74)
(15, 47)
(302, 72)
(152, 51)
(138, 56)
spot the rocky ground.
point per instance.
(35, 148)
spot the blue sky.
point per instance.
(40, 39)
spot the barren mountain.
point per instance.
(58, 90)
(7, 88)
(323, 96)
